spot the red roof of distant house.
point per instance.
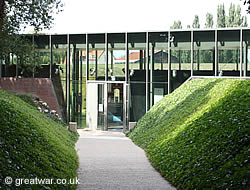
(134, 56)
(92, 54)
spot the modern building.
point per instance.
(104, 92)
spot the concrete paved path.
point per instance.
(109, 160)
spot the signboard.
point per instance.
(158, 94)
(100, 108)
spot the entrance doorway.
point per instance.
(106, 105)
(115, 106)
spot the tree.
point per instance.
(234, 18)
(17, 14)
(176, 25)
(221, 17)
(248, 5)
(244, 23)
(238, 20)
(196, 23)
(36, 13)
(209, 21)
(231, 16)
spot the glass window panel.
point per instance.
(204, 49)
(116, 56)
(137, 56)
(97, 56)
(228, 52)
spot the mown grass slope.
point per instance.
(198, 136)
(34, 146)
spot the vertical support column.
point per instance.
(127, 104)
(96, 64)
(179, 55)
(147, 67)
(198, 59)
(12, 59)
(1, 63)
(68, 79)
(106, 57)
(33, 48)
(241, 56)
(80, 96)
(141, 59)
(87, 57)
(112, 64)
(73, 79)
(66, 84)
(126, 95)
(16, 66)
(77, 79)
(144, 59)
(51, 57)
(192, 53)
(162, 59)
(151, 75)
(105, 106)
(169, 63)
(125, 119)
(245, 58)
(106, 85)
(127, 59)
(216, 53)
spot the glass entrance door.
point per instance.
(115, 106)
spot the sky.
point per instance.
(98, 16)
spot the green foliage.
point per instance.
(38, 14)
(196, 23)
(234, 18)
(32, 145)
(198, 136)
(221, 16)
(209, 21)
(244, 24)
(18, 14)
(176, 25)
(27, 98)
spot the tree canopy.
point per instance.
(221, 16)
(16, 14)
(209, 21)
(196, 23)
(176, 25)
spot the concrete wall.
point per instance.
(41, 87)
(91, 107)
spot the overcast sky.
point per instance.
(90, 16)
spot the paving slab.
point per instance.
(110, 160)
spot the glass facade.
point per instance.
(42, 44)
(204, 53)
(77, 80)
(96, 57)
(181, 58)
(229, 53)
(116, 53)
(137, 74)
(125, 74)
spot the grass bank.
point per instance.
(34, 146)
(198, 136)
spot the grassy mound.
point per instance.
(34, 146)
(198, 136)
